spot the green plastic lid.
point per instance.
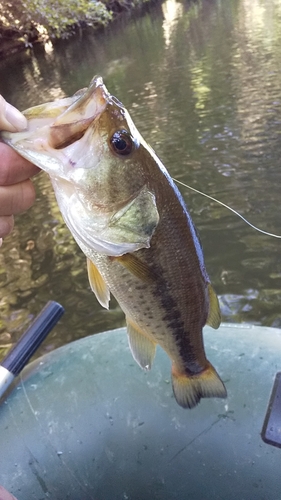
(85, 422)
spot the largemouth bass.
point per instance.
(130, 221)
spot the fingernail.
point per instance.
(15, 118)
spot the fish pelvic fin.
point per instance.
(214, 315)
(142, 348)
(189, 389)
(98, 285)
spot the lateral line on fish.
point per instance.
(229, 208)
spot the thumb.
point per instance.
(5, 495)
(11, 119)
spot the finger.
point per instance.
(5, 495)
(11, 118)
(6, 227)
(14, 168)
(16, 198)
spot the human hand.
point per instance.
(5, 495)
(11, 119)
(17, 192)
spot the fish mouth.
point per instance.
(71, 125)
(55, 126)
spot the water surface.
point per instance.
(202, 81)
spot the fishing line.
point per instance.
(229, 208)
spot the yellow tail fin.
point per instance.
(189, 389)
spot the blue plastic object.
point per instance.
(28, 343)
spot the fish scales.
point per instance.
(173, 296)
(129, 219)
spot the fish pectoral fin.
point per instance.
(136, 267)
(214, 315)
(98, 285)
(142, 348)
(189, 389)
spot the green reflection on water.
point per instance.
(203, 84)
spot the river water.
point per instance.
(202, 81)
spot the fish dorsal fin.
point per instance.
(136, 267)
(98, 285)
(214, 316)
(142, 348)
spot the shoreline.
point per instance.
(14, 40)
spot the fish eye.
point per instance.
(122, 143)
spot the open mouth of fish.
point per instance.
(58, 132)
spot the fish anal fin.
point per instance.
(189, 389)
(142, 348)
(214, 315)
(98, 285)
(136, 267)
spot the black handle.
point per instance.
(272, 424)
(31, 339)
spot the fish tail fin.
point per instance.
(189, 389)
